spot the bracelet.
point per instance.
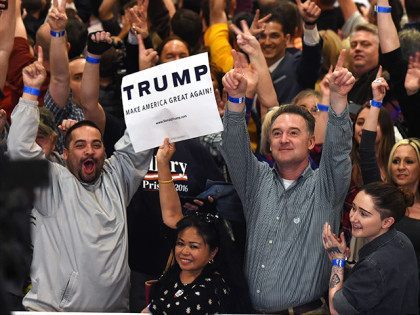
(165, 181)
(31, 91)
(322, 107)
(58, 34)
(236, 100)
(379, 9)
(339, 262)
(375, 104)
(310, 23)
(93, 60)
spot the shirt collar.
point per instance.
(274, 65)
(376, 243)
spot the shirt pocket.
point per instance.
(69, 289)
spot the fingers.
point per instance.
(299, 3)
(341, 59)
(40, 54)
(245, 27)
(265, 18)
(256, 18)
(235, 29)
(379, 74)
(141, 43)
(55, 3)
(236, 60)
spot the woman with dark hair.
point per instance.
(383, 139)
(384, 280)
(206, 277)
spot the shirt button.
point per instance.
(277, 218)
(262, 266)
(296, 220)
(258, 291)
(270, 242)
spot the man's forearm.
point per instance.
(59, 70)
(388, 36)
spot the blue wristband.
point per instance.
(57, 34)
(379, 9)
(236, 100)
(375, 103)
(339, 262)
(90, 59)
(322, 107)
(31, 91)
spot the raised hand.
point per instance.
(138, 18)
(165, 152)
(98, 43)
(147, 57)
(379, 86)
(66, 124)
(335, 246)
(324, 86)
(234, 81)
(341, 80)
(34, 74)
(309, 11)
(258, 25)
(412, 78)
(246, 41)
(57, 18)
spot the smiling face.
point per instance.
(290, 140)
(360, 122)
(364, 53)
(85, 154)
(273, 42)
(365, 220)
(192, 253)
(405, 167)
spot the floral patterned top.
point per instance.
(208, 294)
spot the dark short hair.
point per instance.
(76, 35)
(388, 199)
(297, 110)
(187, 25)
(82, 123)
(278, 16)
(171, 38)
(412, 7)
(205, 224)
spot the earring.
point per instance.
(270, 148)
(211, 261)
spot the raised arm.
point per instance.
(98, 43)
(310, 63)
(368, 163)
(264, 87)
(170, 204)
(216, 36)
(341, 82)
(235, 85)
(7, 33)
(388, 36)
(23, 130)
(59, 61)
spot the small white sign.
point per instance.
(173, 100)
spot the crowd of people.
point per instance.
(308, 201)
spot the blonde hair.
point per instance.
(414, 143)
(265, 130)
(331, 48)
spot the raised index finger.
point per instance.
(55, 3)
(63, 5)
(40, 54)
(299, 3)
(379, 74)
(341, 59)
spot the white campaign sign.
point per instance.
(173, 100)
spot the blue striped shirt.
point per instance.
(286, 264)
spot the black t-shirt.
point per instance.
(114, 130)
(330, 20)
(149, 239)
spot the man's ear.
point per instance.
(311, 142)
(65, 154)
(68, 46)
